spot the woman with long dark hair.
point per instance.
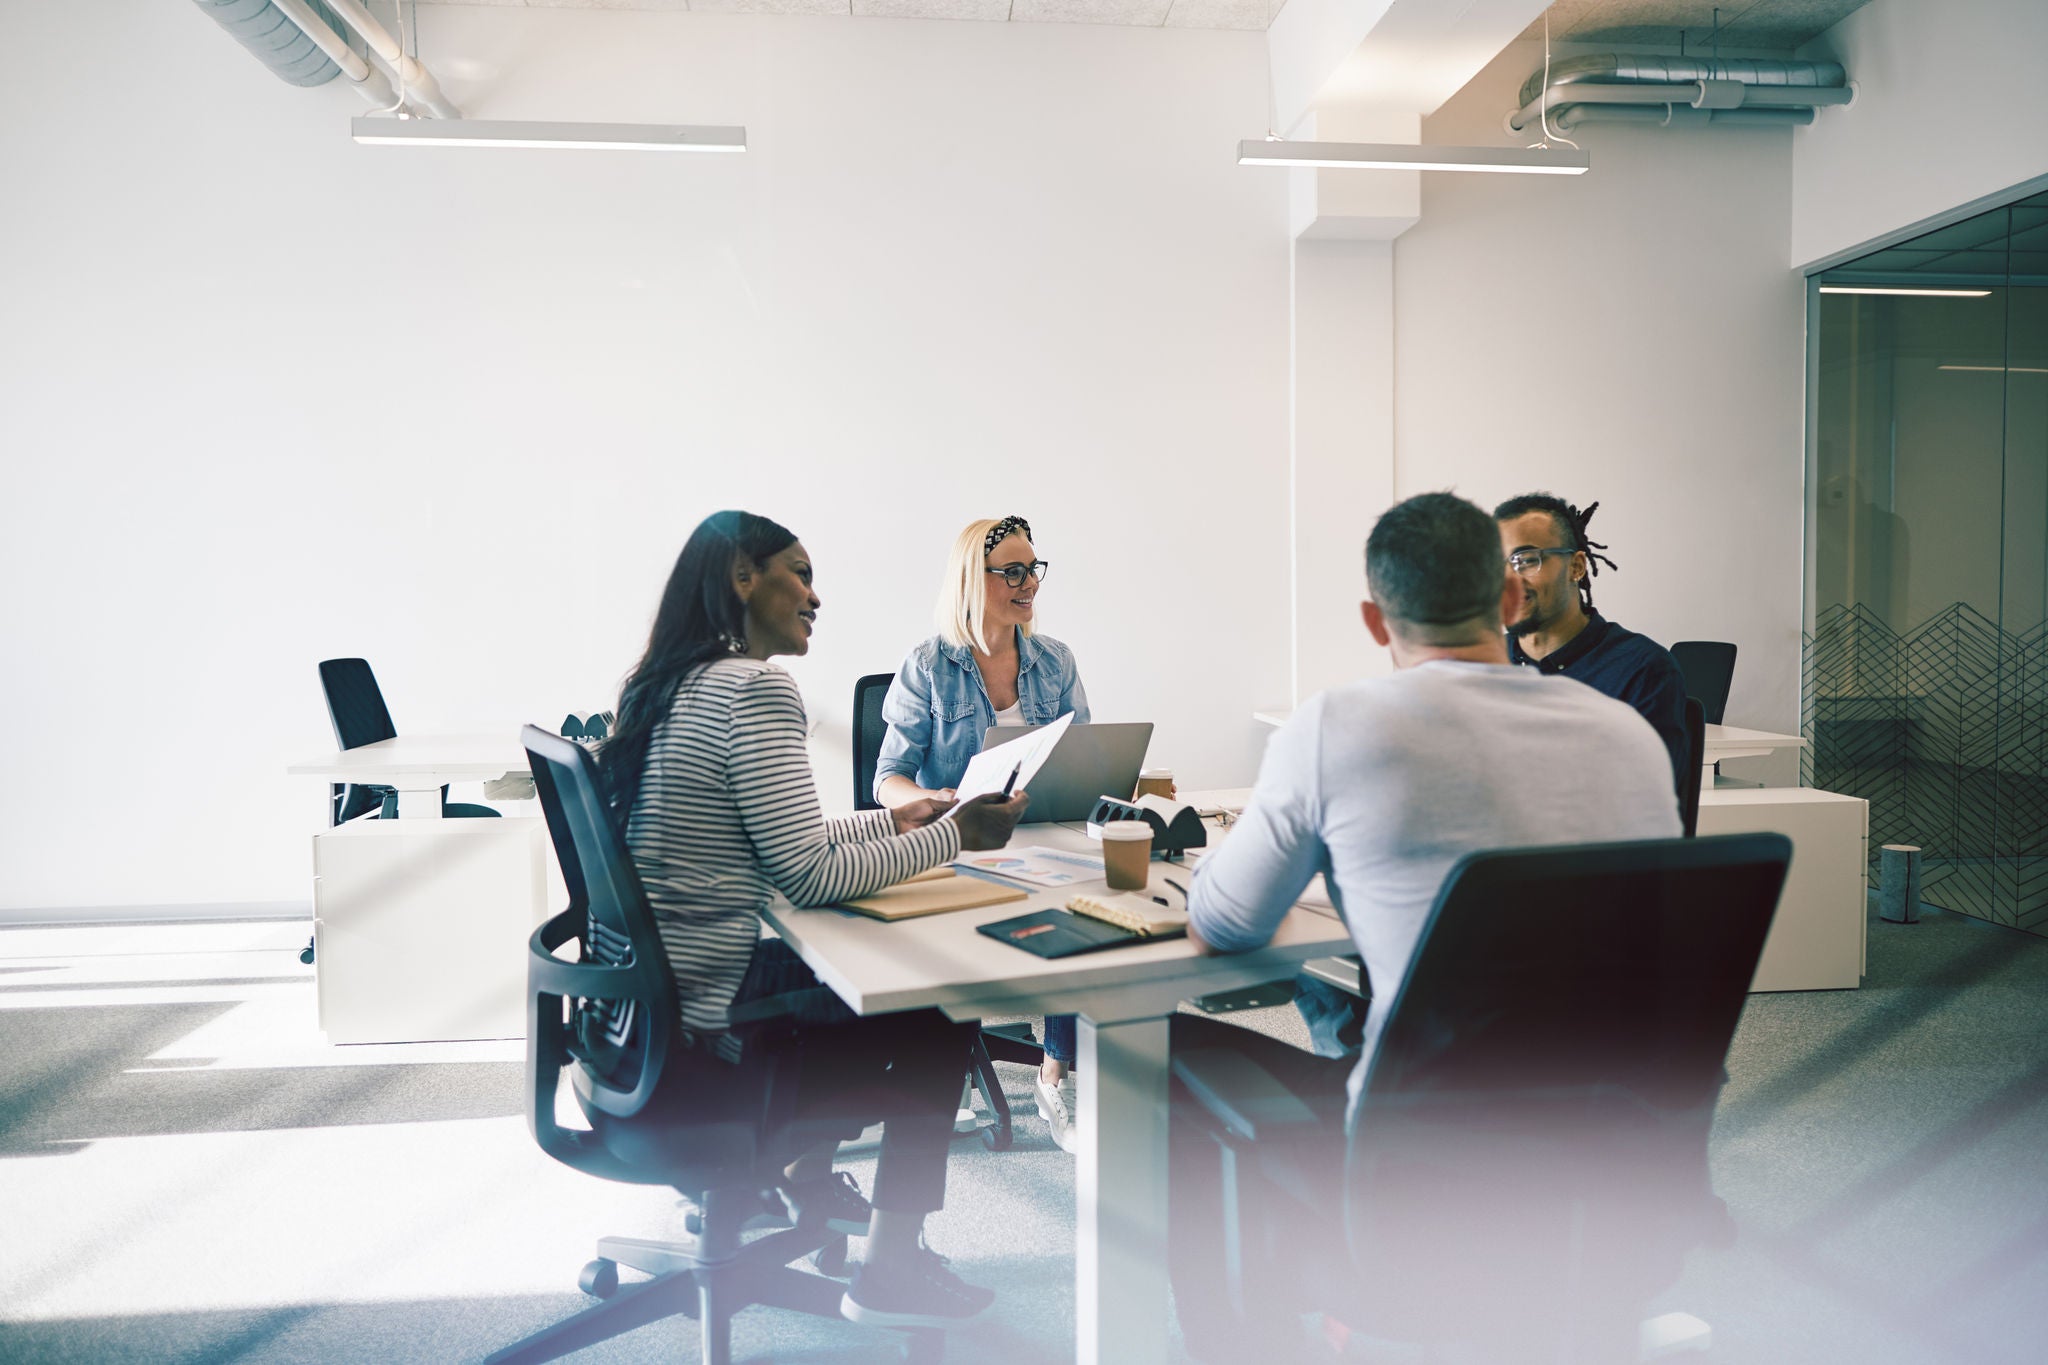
(708, 775)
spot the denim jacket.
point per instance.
(938, 709)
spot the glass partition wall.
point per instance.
(1926, 658)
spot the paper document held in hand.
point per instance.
(989, 771)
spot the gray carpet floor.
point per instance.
(188, 1174)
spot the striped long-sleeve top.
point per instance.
(727, 815)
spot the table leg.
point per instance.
(1120, 1193)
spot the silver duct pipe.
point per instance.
(368, 81)
(1752, 85)
(277, 41)
(1675, 116)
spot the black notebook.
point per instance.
(1062, 933)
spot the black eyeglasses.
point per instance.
(1015, 574)
(1529, 561)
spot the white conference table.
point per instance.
(419, 766)
(420, 923)
(1125, 998)
(1732, 741)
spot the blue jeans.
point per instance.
(1060, 1038)
(1335, 1018)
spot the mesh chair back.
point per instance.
(868, 729)
(355, 705)
(1696, 759)
(1709, 669)
(619, 1033)
(1533, 1128)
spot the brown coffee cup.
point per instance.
(1155, 782)
(1127, 854)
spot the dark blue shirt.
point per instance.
(1630, 668)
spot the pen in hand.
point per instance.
(1013, 779)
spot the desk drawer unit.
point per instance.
(420, 927)
(1817, 936)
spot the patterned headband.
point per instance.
(1001, 529)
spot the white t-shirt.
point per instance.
(1386, 783)
(1013, 714)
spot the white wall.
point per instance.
(268, 397)
(1633, 336)
(1949, 109)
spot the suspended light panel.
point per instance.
(1402, 156)
(605, 137)
(1909, 293)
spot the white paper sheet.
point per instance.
(989, 770)
(1035, 864)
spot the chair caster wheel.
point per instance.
(996, 1137)
(306, 955)
(924, 1348)
(830, 1259)
(600, 1279)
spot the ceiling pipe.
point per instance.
(416, 81)
(1757, 86)
(263, 28)
(368, 81)
(1675, 116)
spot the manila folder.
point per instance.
(933, 896)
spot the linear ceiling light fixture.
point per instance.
(1401, 156)
(1993, 369)
(611, 137)
(1913, 293)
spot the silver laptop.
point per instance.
(1089, 762)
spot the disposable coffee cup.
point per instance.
(1127, 854)
(1156, 782)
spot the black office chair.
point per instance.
(355, 706)
(1708, 667)
(1526, 1165)
(661, 1112)
(1001, 1043)
(868, 729)
(1696, 751)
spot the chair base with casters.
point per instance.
(708, 1276)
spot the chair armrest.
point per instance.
(550, 975)
(1244, 1097)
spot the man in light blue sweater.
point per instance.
(1383, 785)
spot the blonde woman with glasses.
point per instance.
(986, 666)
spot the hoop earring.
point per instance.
(735, 644)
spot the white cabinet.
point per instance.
(420, 927)
(1817, 938)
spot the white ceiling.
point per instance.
(1747, 25)
(1254, 15)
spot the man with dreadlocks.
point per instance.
(1544, 538)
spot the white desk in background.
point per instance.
(420, 923)
(1125, 997)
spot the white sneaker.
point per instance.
(964, 1118)
(1057, 1104)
